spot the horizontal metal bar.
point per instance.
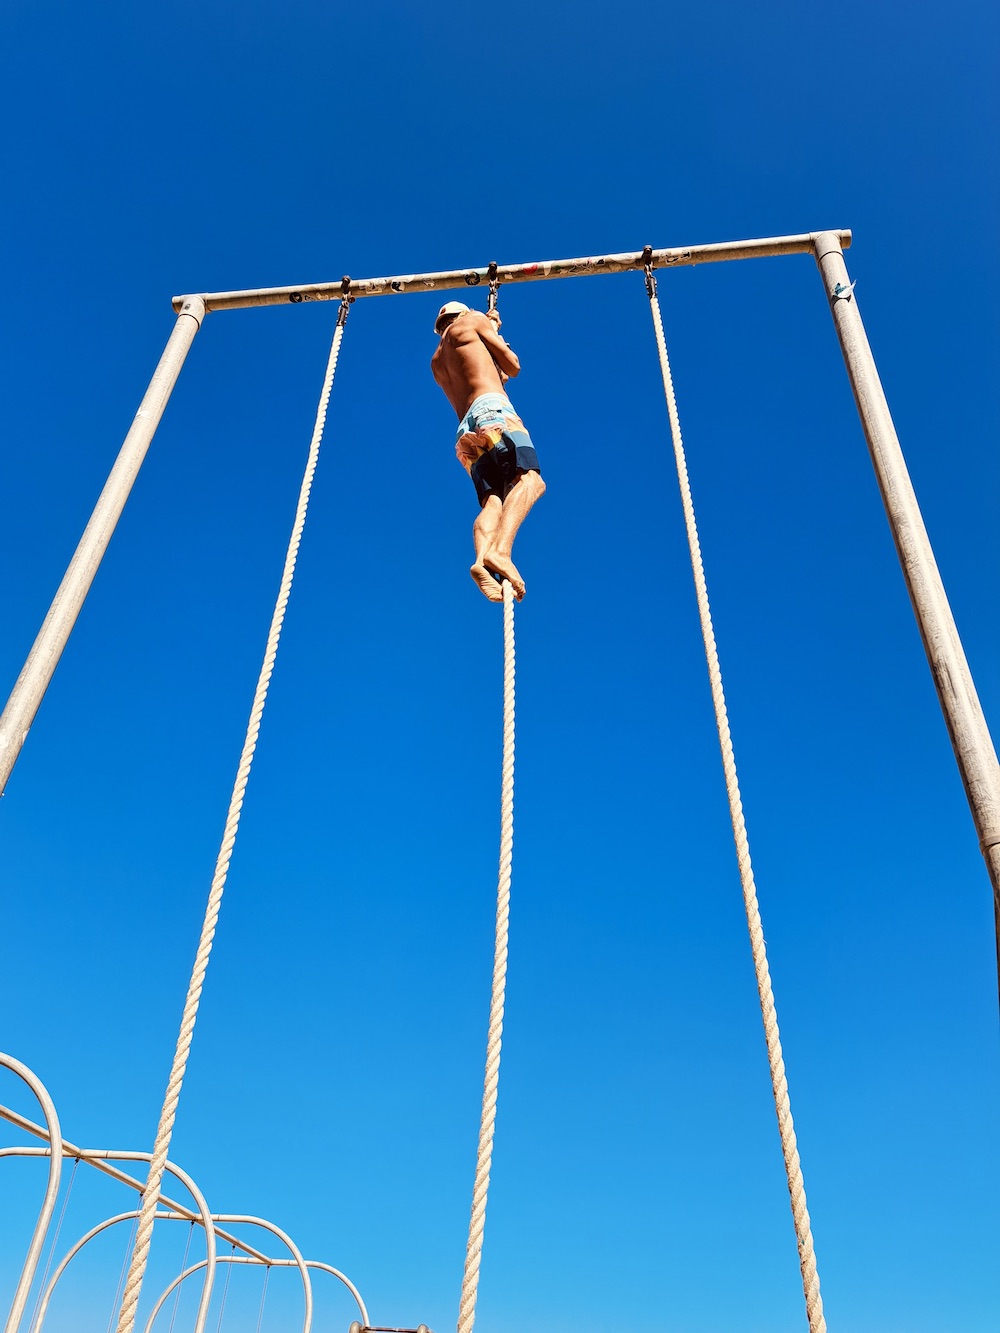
(93, 1158)
(507, 273)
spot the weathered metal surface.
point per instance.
(508, 273)
(963, 713)
(39, 668)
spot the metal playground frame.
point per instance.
(58, 1149)
(964, 718)
(963, 713)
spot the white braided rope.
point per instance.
(779, 1083)
(151, 1194)
(484, 1156)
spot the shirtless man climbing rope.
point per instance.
(472, 364)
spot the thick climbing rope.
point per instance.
(779, 1082)
(487, 1125)
(151, 1194)
(123, 1274)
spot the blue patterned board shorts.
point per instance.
(493, 446)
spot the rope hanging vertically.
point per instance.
(779, 1082)
(484, 1156)
(151, 1194)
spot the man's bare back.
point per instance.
(472, 359)
(472, 364)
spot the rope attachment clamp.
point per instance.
(646, 260)
(346, 300)
(494, 281)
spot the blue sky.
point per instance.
(335, 1081)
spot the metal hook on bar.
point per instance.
(494, 281)
(646, 260)
(346, 300)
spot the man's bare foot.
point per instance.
(503, 565)
(487, 583)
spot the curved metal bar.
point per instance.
(342, 1277)
(293, 1249)
(90, 1154)
(71, 1254)
(259, 1263)
(222, 1259)
(51, 1189)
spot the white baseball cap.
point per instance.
(449, 308)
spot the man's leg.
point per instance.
(483, 533)
(528, 488)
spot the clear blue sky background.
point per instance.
(336, 1074)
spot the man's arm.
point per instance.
(506, 360)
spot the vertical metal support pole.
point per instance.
(963, 713)
(31, 684)
(51, 1191)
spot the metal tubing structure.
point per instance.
(963, 713)
(168, 1291)
(293, 1249)
(31, 684)
(55, 1155)
(259, 1263)
(296, 1259)
(72, 1151)
(74, 1250)
(682, 256)
(178, 1212)
(90, 1154)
